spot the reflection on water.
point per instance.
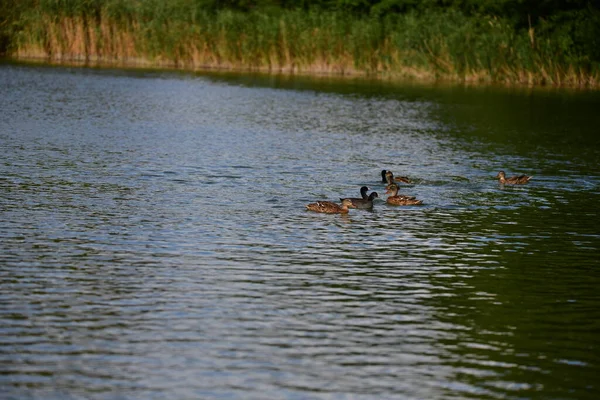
(154, 240)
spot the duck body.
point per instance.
(400, 200)
(366, 202)
(363, 194)
(388, 177)
(329, 207)
(403, 201)
(513, 180)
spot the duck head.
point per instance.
(392, 189)
(389, 177)
(383, 177)
(347, 203)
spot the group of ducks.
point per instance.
(392, 188)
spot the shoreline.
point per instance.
(416, 78)
(438, 46)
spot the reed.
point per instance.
(180, 33)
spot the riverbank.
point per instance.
(442, 45)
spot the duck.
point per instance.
(400, 200)
(329, 207)
(366, 201)
(513, 180)
(363, 194)
(388, 177)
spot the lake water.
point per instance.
(155, 242)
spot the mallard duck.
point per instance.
(365, 201)
(400, 200)
(329, 207)
(388, 177)
(513, 180)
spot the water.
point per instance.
(154, 241)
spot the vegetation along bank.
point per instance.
(543, 42)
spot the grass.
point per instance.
(438, 45)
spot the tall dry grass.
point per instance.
(437, 45)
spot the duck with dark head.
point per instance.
(366, 201)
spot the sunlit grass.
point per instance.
(177, 33)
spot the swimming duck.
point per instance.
(400, 200)
(363, 194)
(513, 180)
(366, 201)
(329, 207)
(388, 177)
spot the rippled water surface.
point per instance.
(155, 244)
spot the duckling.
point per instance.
(400, 200)
(513, 180)
(329, 207)
(366, 201)
(388, 177)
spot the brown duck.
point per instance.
(513, 180)
(365, 202)
(400, 200)
(388, 177)
(329, 207)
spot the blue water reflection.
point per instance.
(154, 240)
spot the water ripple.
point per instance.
(154, 243)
